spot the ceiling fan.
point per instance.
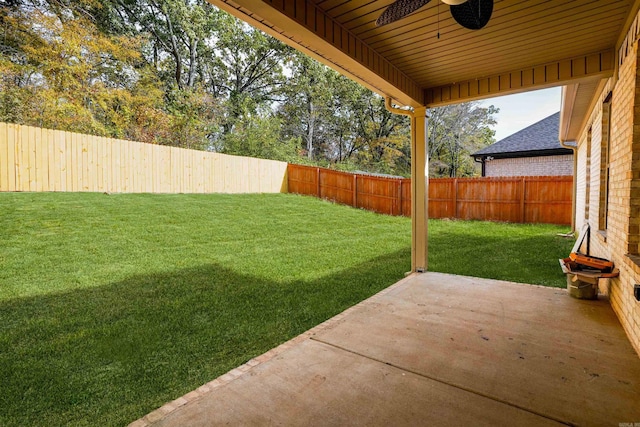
(471, 14)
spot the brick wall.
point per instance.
(530, 166)
(581, 183)
(620, 240)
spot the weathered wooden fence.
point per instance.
(35, 159)
(529, 199)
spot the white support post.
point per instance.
(419, 190)
(419, 184)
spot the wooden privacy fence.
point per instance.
(529, 199)
(380, 194)
(35, 159)
(525, 199)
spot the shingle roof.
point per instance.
(539, 137)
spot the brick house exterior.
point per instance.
(532, 151)
(530, 166)
(608, 181)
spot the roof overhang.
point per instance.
(306, 27)
(426, 59)
(520, 154)
(578, 99)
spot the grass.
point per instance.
(525, 253)
(112, 305)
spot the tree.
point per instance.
(194, 118)
(306, 107)
(456, 131)
(339, 121)
(183, 73)
(244, 67)
(198, 48)
(382, 136)
(176, 29)
(259, 136)
(65, 74)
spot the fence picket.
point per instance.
(4, 157)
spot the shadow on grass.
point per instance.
(109, 355)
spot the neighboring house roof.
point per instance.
(539, 139)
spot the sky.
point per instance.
(524, 109)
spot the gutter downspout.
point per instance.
(568, 100)
(574, 150)
(481, 160)
(393, 110)
(419, 184)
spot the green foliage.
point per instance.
(455, 132)
(346, 166)
(67, 75)
(184, 73)
(384, 139)
(307, 107)
(176, 30)
(246, 71)
(193, 118)
(342, 122)
(256, 136)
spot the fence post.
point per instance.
(400, 210)
(455, 198)
(522, 189)
(355, 190)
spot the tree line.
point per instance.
(186, 74)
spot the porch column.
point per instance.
(419, 190)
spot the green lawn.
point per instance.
(526, 253)
(111, 305)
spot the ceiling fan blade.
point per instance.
(473, 14)
(398, 10)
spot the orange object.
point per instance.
(593, 262)
(574, 269)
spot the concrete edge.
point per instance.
(168, 408)
(509, 282)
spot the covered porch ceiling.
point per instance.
(526, 45)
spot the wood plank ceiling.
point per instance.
(520, 34)
(428, 59)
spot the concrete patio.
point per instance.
(435, 349)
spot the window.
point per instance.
(605, 147)
(587, 195)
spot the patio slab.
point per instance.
(436, 349)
